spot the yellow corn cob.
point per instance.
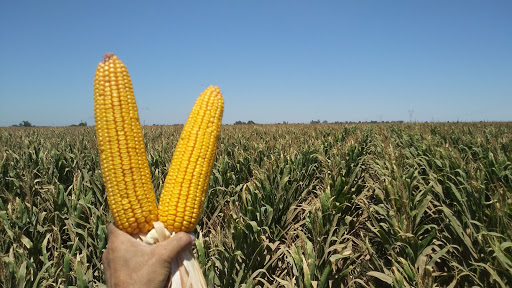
(182, 198)
(123, 159)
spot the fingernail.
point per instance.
(192, 237)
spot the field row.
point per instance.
(385, 205)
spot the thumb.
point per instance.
(170, 248)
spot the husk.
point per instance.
(185, 270)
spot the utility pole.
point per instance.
(410, 115)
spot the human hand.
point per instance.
(131, 263)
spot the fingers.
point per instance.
(115, 234)
(166, 251)
(170, 248)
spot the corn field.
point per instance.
(330, 205)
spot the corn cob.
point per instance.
(185, 186)
(123, 159)
(126, 171)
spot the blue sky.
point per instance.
(274, 61)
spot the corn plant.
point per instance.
(330, 205)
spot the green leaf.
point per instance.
(438, 255)
(325, 275)
(82, 282)
(505, 245)
(21, 275)
(502, 257)
(421, 209)
(381, 276)
(458, 229)
(26, 241)
(40, 274)
(492, 272)
(407, 268)
(66, 267)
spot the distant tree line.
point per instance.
(250, 122)
(354, 122)
(318, 122)
(82, 123)
(28, 124)
(24, 124)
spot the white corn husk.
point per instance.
(185, 270)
